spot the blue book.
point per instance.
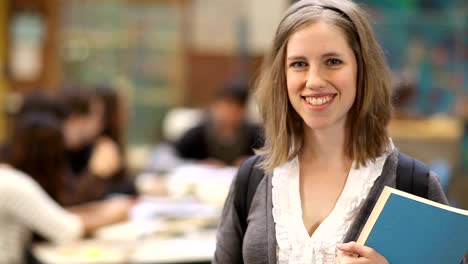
(407, 229)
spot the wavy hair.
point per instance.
(366, 128)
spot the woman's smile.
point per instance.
(319, 101)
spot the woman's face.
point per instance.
(227, 113)
(95, 120)
(321, 75)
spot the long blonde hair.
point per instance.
(366, 135)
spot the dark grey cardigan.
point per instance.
(258, 246)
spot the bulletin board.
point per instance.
(136, 47)
(425, 43)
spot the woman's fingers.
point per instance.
(354, 253)
(343, 257)
(355, 249)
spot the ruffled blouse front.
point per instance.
(294, 243)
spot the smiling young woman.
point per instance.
(324, 96)
(370, 113)
(321, 78)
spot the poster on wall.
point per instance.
(27, 37)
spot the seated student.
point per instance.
(108, 120)
(30, 184)
(35, 101)
(76, 125)
(95, 151)
(225, 137)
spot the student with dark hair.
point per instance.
(31, 177)
(34, 102)
(76, 126)
(225, 137)
(107, 161)
(95, 150)
(41, 102)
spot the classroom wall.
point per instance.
(3, 60)
(217, 28)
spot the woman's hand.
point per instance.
(354, 253)
(106, 158)
(105, 212)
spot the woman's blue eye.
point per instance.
(298, 64)
(333, 62)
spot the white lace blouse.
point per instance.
(294, 243)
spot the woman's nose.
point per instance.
(315, 78)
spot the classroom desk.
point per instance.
(178, 228)
(159, 231)
(183, 238)
(157, 251)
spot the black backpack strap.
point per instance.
(247, 181)
(412, 176)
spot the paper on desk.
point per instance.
(148, 208)
(130, 230)
(89, 251)
(195, 248)
(210, 184)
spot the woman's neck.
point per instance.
(325, 146)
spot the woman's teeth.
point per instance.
(318, 101)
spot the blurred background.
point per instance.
(167, 59)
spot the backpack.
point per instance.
(412, 176)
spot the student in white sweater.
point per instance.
(30, 182)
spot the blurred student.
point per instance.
(225, 137)
(41, 102)
(37, 102)
(72, 110)
(95, 150)
(31, 178)
(76, 128)
(108, 113)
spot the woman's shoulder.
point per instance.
(13, 179)
(407, 165)
(435, 192)
(12, 175)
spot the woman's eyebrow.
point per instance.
(325, 55)
(294, 57)
(332, 54)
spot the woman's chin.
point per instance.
(318, 124)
